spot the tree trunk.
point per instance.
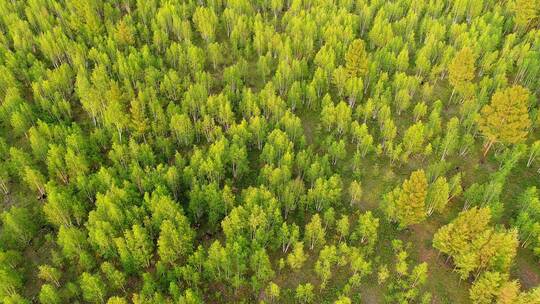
(532, 156)
(488, 147)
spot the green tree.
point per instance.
(343, 226)
(451, 139)
(175, 239)
(528, 219)
(414, 138)
(366, 230)
(273, 292)
(134, 248)
(314, 232)
(72, 240)
(49, 274)
(329, 218)
(403, 60)
(438, 195)
(323, 267)
(10, 281)
(355, 192)
(336, 149)
(325, 192)
(205, 20)
(115, 278)
(19, 225)
(297, 257)
(262, 269)
(48, 294)
(534, 151)
(93, 288)
(183, 129)
(304, 293)
(419, 111)
(35, 180)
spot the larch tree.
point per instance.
(297, 257)
(49, 295)
(116, 300)
(494, 286)
(506, 118)
(356, 59)
(437, 196)
(407, 204)
(474, 245)
(49, 274)
(461, 71)
(343, 300)
(206, 21)
(366, 230)
(304, 293)
(272, 292)
(343, 227)
(314, 232)
(526, 12)
(534, 151)
(355, 192)
(93, 288)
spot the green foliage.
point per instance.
(304, 293)
(407, 282)
(18, 227)
(49, 295)
(528, 219)
(93, 288)
(297, 257)
(189, 152)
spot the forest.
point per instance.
(269, 151)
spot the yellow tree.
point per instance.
(527, 13)
(461, 71)
(474, 245)
(407, 205)
(506, 118)
(356, 59)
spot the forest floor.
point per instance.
(443, 283)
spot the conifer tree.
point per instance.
(355, 192)
(406, 204)
(461, 71)
(506, 119)
(438, 195)
(474, 245)
(297, 257)
(526, 12)
(356, 59)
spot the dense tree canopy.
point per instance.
(301, 151)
